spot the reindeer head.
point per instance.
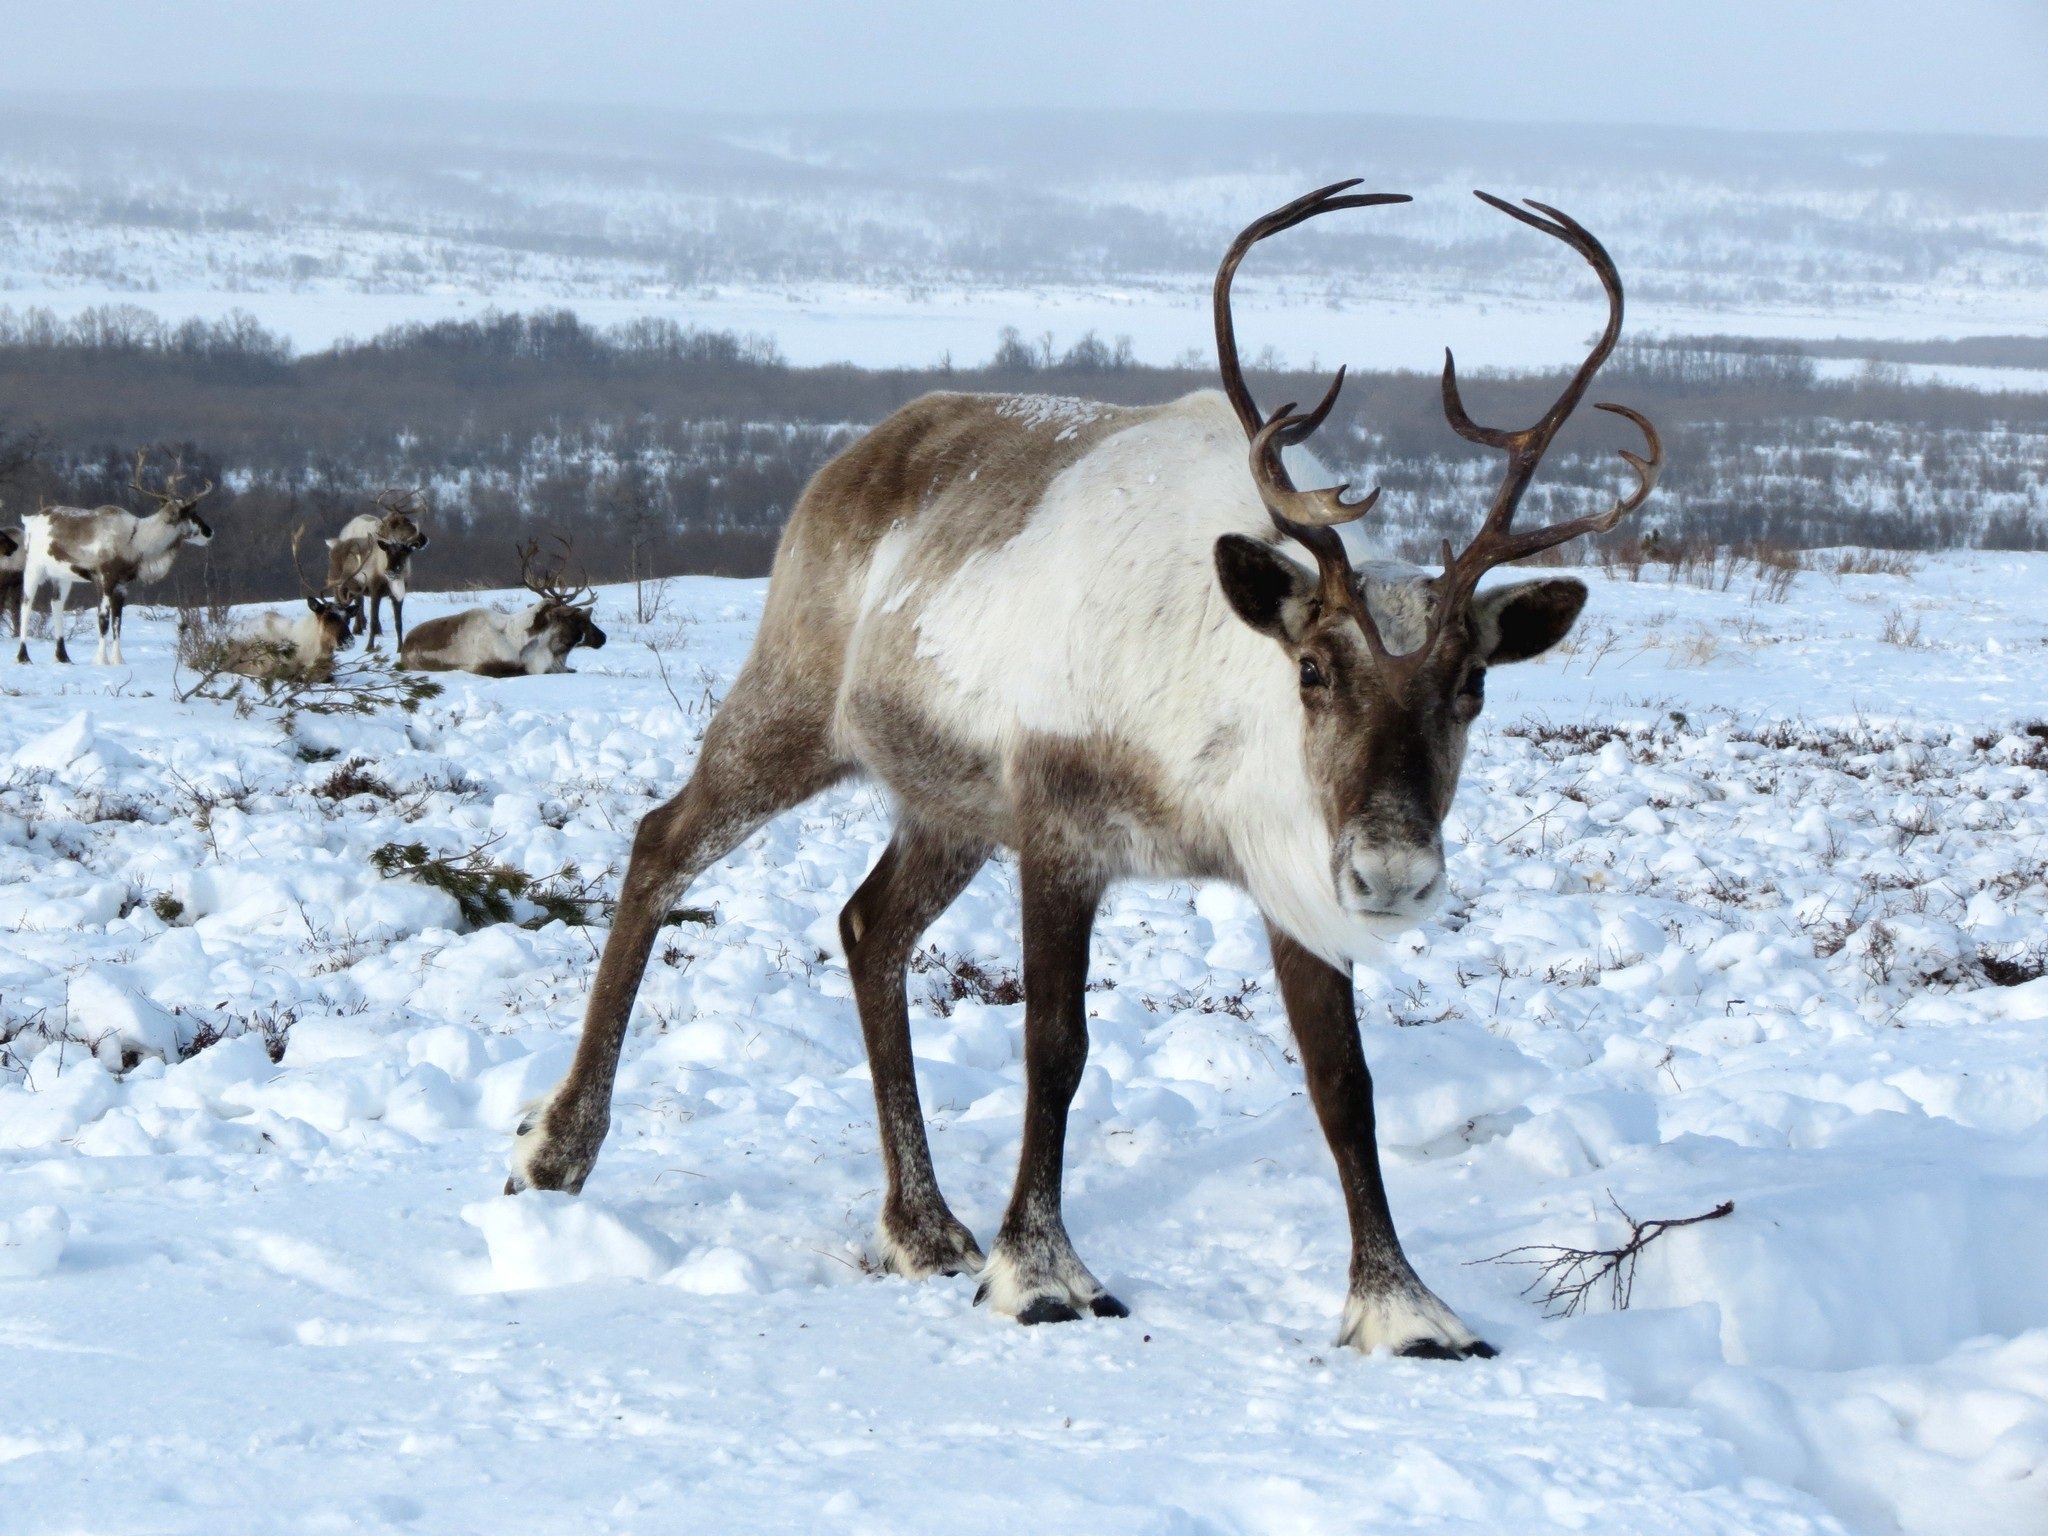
(1391, 663)
(332, 616)
(174, 503)
(398, 531)
(563, 612)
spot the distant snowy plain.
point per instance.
(1730, 877)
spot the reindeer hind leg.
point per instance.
(919, 875)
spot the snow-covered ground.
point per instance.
(1734, 882)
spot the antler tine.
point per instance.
(1311, 518)
(1323, 508)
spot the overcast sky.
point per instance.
(1974, 66)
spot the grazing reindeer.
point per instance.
(110, 548)
(13, 556)
(1076, 631)
(369, 559)
(523, 644)
(275, 647)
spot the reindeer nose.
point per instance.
(1399, 880)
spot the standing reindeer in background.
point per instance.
(368, 560)
(1077, 631)
(534, 641)
(272, 646)
(110, 548)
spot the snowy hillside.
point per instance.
(891, 240)
(1747, 896)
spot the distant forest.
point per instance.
(658, 450)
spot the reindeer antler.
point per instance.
(171, 491)
(546, 583)
(1496, 543)
(1310, 518)
(401, 499)
(135, 481)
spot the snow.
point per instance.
(1730, 879)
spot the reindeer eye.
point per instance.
(1311, 674)
(1475, 684)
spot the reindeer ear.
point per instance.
(1264, 588)
(1527, 619)
(313, 603)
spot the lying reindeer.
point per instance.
(1122, 642)
(110, 548)
(368, 560)
(276, 648)
(524, 644)
(13, 556)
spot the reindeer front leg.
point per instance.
(1387, 1304)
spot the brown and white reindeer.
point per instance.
(1084, 633)
(370, 560)
(274, 646)
(528, 643)
(109, 547)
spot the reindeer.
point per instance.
(1076, 631)
(369, 558)
(528, 643)
(110, 548)
(13, 556)
(275, 647)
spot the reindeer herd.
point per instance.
(369, 564)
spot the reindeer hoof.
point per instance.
(1047, 1309)
(926, 1244)
(1411, 1322)
(1055, 1289)
(1431, 1349)
(543, 1157)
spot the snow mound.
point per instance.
(119, 1022)
(31, 1243)
(1434, 1080)
(73, 750)
(545, 1238)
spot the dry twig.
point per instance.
(1569, 1275)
